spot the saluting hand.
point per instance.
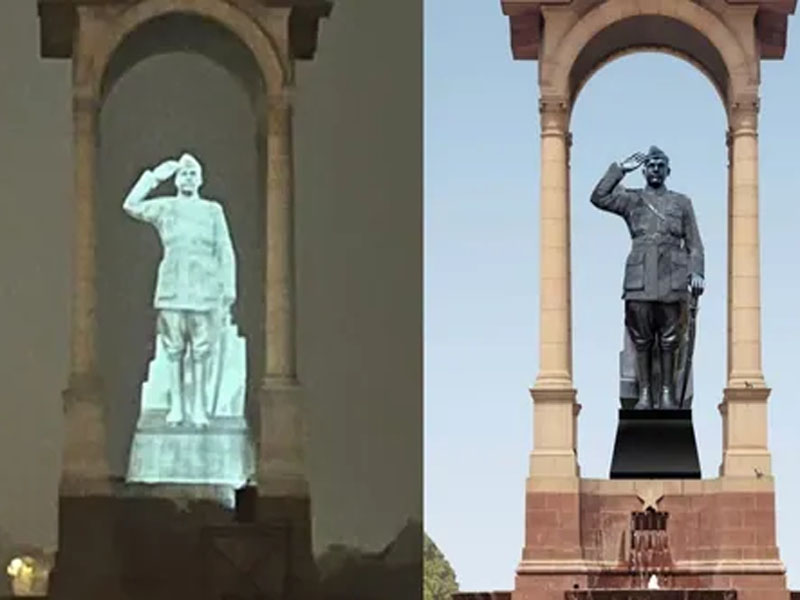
(165, 170)
(633, 162)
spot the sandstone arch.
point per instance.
(620, 25)
(261, 43)
(587, 63)
(275, 34)
(726, 40)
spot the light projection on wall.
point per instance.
(192, 426)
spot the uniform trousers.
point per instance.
(648, 320)
(181, 328)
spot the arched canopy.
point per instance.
(662, 34)
(181, 32)
(679, 27)
(262, 47)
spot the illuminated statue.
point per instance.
(197, 379)
(196, 278)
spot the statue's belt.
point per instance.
(663, 239)
(188, 253)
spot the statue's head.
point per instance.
(656, 167)
(189, 176)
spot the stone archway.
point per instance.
(681, 26)
(570, 40)
(726, 43)
(257, 36)
(276, 34)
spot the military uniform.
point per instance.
(665, 250)
(197, 270)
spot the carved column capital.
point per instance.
(554, 116)
(743, 115)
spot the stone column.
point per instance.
(728, 304)
(555, 410)
(85, 464)
(281, 465)
(744, 407)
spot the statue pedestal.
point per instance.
(581, 535)
(222, 454)
(162, 542)
(655, 444)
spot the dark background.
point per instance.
(358, 149)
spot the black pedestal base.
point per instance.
(655, 444)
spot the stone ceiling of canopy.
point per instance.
(572, 39)
(276, 32)
(58, 17)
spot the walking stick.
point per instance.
(693, 307)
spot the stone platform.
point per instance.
(651, 595)
(621, 595)
(221, 454)
(721, 535)
(160, 543)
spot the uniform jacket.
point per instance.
(198, 265)
(665, 242)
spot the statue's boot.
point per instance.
(668, 378)
(643, 361)
(175, 414)
(199, 416)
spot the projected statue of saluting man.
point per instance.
(196, 284)
(665, 265)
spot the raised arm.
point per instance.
(227, 257)
(609, 194)
(135, 204)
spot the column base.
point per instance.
(744, 428)
(85, 466)
(283, 439)
(282, 496)
(555, 433)
(87, 562)
(293, 515)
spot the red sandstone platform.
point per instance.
(616, 595)
(652, 595)
(720, 536)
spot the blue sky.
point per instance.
(481, 270)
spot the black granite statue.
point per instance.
(663, 273)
